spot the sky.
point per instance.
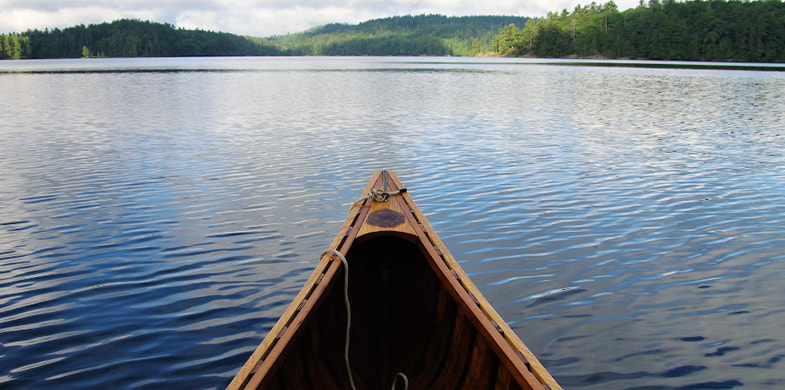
(261, 18)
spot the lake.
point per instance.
(158, 215)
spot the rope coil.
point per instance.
(332, 252)
(405, 381)
(378, 196)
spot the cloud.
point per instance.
(18, 20)
(270, 21)
(256, 17)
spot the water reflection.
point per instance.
(627, 222)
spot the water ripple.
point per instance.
(151, 233)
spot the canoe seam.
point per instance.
(490, 314)
(487, 324)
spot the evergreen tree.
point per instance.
(134, 38)
(14, 46)
(710, 30)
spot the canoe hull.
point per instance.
(414, 314)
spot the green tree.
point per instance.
(3, 47)
(714, 30)
(552, 42)
(429, 34)
(137, 38)
(504, 43)
(14, 46)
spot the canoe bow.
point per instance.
(384, 214)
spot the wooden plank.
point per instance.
(512, 338)
(483, 367)
(386, 217)
(447, 312)
(258, 379)
(483, 312)
(261, 351)
(456, 367)
(485, 352)
(243, 378)
(272, 360)
(478, 318)
(503, 379)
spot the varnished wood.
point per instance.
(414, 311)
(394, 220)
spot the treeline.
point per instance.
(708, 30)
(713, 30)
(14, 46)
(435, 35)
(134, 38)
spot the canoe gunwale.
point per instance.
(530, 360)
(481, 312)
(521, 364)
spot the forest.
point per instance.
(129, 38)
(435, 35)
(705, 30)
(14, 46)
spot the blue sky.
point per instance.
(257, 17)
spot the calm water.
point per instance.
(157, 215)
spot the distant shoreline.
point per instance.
(93, 65)
(721, 33)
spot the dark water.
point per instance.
(157, 215)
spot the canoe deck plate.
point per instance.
(386, 218)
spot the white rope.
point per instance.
(340, 255)
(378, 196)
(333, 252)
(405, 380)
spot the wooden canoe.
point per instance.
(416, 320)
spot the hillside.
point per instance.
(696, 30)
(436, 35)
(706, 30)
(401, 35)
(129, 38)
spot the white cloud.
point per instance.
(19, 20)
(256, 17)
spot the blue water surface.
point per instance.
(158, 215)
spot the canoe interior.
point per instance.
(414, 312)
(403, 320)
